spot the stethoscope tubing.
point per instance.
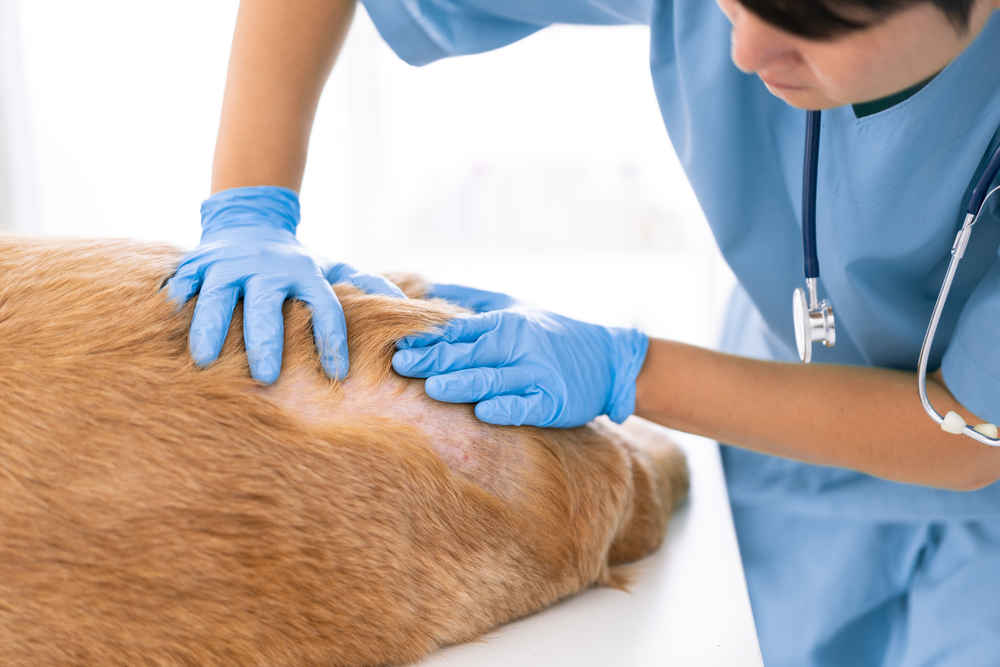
(981, 193)
(957, 251)
(810, 168)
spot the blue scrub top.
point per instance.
(891, 193)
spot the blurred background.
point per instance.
(542, 169)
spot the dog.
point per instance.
(153, 512)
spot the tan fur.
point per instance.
(156, 513)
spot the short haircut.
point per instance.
(825, 19)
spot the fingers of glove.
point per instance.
(264, 327)
(458, 330)
(477, 300)
(446, 358)
(478, 384)
(514, 410)
(190, 273)
(213, 312)
(329, 326)
(186, 280)
(373, 284)
(366, 282)
(338, 273)
(180, 288)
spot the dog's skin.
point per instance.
(155, 513)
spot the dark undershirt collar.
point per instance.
(868, 108)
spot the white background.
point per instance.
(541, 169)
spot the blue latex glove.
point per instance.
(476, 300)
(248, 248)
(528, 367)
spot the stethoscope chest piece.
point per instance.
(814, 322)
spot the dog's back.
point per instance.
(154, 512)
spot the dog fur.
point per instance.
(152, 512)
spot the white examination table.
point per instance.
(688, 605)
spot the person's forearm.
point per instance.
(281, 56)
(866, 419)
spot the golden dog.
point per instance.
(155, 513)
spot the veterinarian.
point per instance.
(869, 535)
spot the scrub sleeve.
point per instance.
(422, 31)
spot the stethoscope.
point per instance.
(814, 320)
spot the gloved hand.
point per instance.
(528, 367)
(476, 300)
(248, 248)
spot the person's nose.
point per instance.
(758, 46)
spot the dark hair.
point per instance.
(824, 19)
